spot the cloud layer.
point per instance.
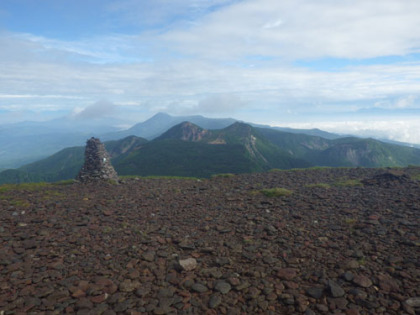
(274, 61)
(306, 29)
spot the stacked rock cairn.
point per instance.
(97, 164)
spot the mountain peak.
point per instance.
(161, 115)
(241, 129)
(186, 131)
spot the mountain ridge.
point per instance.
(26, 142)
(189, 150)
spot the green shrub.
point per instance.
(24, 186)
(274, 170)
(349, 183)
(170, 177)
(415, 177)
(276, 192)
(157, 177)
(224, 175)
(319, 185)
(64, 182)
(350, 221)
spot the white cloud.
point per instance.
(161, 13)
(99, 109)
(32, 96)
(102, 49)
(305, 29)
(406, 130)
(224, 56)
(407, 102)
(273, 24)
(189, 81)
(403, 102)
(221, 104)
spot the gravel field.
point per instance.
(316, 241)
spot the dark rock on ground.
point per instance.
(100, 248)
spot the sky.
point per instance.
(342, 66)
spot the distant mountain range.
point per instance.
(26, 142)
(161, 122)
(187, 149)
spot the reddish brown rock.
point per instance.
(287, 273)
(99, 298)
(100, 248)
(362, 281)
(78, 293)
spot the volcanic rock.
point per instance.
(188, 264)
(362, 281)
(97, 164)
(335, 289)
(115, 249)
(386, 180)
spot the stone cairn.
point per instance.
(97, 163)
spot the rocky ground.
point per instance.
(339, 241)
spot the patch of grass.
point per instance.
(27, 187)
(248, 239)
(273, 170)
(129, 176)
(173, 177)
(298, 169)
(112, 182)
(124, 225)
(159, 177)
(16, 202)
(64, 182)
(350, 221)
(6, 187)
(224, 175)
(316, 168)
(319, 185)
(24, 186)
(20, 203)
(52, 194)
(107, 229)
(349, 183)
(33, 186)
(312, 168)
(276, 192)
(415, 177)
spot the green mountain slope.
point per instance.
(187, 131)
(300, 146)
(66, 163)
(263, 151)
(189, 150)
(348, 151)
(62, 165)
(174, 157)
(367, 153)
(263, 154)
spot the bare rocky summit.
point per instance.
(323, 244)
(97, 164)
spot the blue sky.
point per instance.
(343, 66)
